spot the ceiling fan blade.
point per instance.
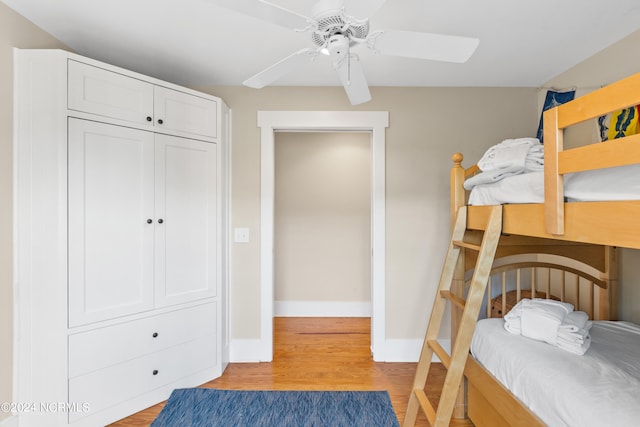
(438, 47)
(353, 79)
(267, 12)
(362, 9)
(279, 69)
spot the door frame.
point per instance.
(373, 122)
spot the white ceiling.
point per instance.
(196, 42)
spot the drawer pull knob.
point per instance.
(155, 372)
(149, 221)
(149, 118)
(155, 335)
(160, 121)
(160, 221)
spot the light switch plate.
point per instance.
(241, 235)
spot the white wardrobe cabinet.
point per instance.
(111, 94)
(121, 224)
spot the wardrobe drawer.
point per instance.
(98, 91)
(99, 348)
(107, 387)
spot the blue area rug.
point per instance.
(203, 407)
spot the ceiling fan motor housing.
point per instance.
(331, 21)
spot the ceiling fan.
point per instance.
(336, 27)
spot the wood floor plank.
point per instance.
(321, 354)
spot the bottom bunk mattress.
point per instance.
(619, 183)
(599, 388)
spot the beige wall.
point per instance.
(616, 62)
(322, 217)
(15, 31)
(427, 125)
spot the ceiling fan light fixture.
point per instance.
(338, 45)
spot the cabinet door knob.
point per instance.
(160, 221)
(155, 372)
(149, 221)
(149, 118)
(160, 121)
(155, 335)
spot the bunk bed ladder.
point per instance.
(455, 363)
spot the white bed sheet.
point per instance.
(600, 388)
(619, 183)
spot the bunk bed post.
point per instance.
(458, 199)
(457, 186)
(608, 300)
(553, 181)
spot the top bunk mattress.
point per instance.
(596, 389)
(619, 183)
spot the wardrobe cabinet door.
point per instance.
(105, 93)
(179, 111)
(110, 238)
(186, 205)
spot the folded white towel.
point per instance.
(507, 154)
(575, 337)
(574, 347)
(540, 320)
(504, 156)
(535, 302)
(574, 321)
(508, 158)
(550, 321)
(489, 177)
(533, 165)
(536, 149)
(512, 320)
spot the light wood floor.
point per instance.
(320, 354)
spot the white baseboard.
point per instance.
(12, 421)
(398, 351)
(247, 351)
(322, 309)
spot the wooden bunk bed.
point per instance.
(588, 232)
(602, 226)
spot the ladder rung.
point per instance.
(427, 407)
(440, 352)
(462, 244)
(453, 298)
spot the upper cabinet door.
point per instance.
(105, 93)
(111, 221)
(182, 112)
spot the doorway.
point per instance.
(322, 245)
(373, 122)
